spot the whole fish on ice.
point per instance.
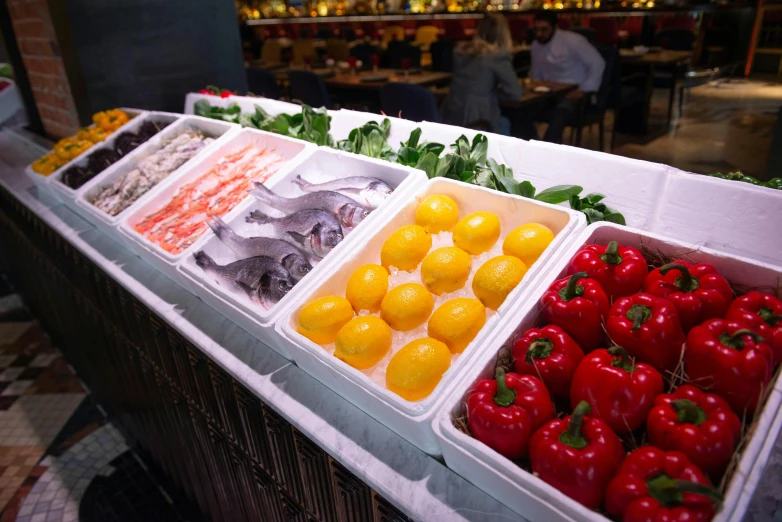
(349, 212)
(264, 280)
(281, 251)
(369, 192)
(316, 231)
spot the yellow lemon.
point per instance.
(320, 320)
(405, 248)
(407, 306)
(477, 232)
(367, 287)
(457, 322)
(496, 278)
(363, 341)
(527, 242)
(415, 370)
(445, 269)
(437, 213)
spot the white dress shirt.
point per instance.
(568, 58)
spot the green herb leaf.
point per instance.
(428, 163)
(558, 194)
(615, 217)
(526, 189)
(593, 215)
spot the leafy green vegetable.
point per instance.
(595, 210)
(558, 194)
(230, 114)
(774, 183)
(411, 151)
(370, 140)
(309, 125)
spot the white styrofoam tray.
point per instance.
(246, 103)
(219, 130)
(731, 216)
(323, 165)
(502, 149)
(45, 181)
(343, 121)
(66, 193)
(288, 148)
(632, 187)
(525, 493)
(412, 420)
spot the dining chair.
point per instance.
(587, 32)
(392, 33)
(411, 102)
(442, 55)
(301, 50)
(307, 87)
(594, 114)
(271, 52)
(337, 49)
(400, 50)
(262, 82)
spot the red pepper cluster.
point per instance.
(216, 91)
(679, 320)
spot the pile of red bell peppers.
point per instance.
(615, 337)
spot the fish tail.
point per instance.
(203, 260)
(220, 228)
(256, 216)
(262, 193)
(299, 181)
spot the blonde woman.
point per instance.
(482, 74)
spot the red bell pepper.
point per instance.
(620, 270)
(620, 392)
(648, 328)
(577, 304)
(226, 94)
(730, 360)
(503, 412)
(762, 313)
(550, 354)
(700, 425)
(653, 484)
(578, 455)
(697, 291)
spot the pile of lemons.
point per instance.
(364, 340)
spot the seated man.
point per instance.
(565, 57)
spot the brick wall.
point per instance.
(41, 56)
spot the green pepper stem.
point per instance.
(736, 340)
(504, 396)
(669, 492)
(611, 255)
(572, 436)
(685, 282)
(572, 285)
(769, 316)
(639, 314)
(624, 360)
(689, 412)
(539, 349)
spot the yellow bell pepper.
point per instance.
(60, 150)
(84, 133)
(97, 134)
(68, 148)
(110, 120)
(47, 164)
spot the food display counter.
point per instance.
(249, 407)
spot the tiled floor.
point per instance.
(725, 125)
(60, 460)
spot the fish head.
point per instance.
(352, 215)
(325, 237)
(377, 194)
(297, 266)
(274, 285)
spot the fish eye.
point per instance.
(304, 269)
(365, 213)
(283, 285)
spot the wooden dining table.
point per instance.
(530, 96)
(375, 80)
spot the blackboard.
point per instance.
(149, 53)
